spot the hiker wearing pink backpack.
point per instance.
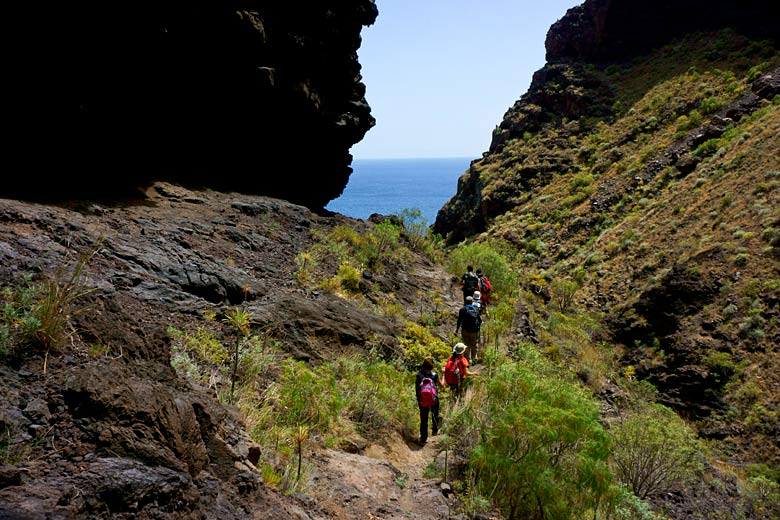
(427, 388)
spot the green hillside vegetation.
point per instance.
(654, 292)
(533, 438)
(665, 275)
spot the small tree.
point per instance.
(415, 226)
(562, 293)
(240, 321)
(300, 436)
(382, 238)
(653, 450)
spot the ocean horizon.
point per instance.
(387, 186)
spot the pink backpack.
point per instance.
(428, 394)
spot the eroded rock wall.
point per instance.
(252, 96)
(572, 94)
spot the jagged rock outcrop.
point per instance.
(260, 97)
(118, 433)
(572, 93)
(610, 30)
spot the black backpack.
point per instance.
(472, 321)
(470, 283)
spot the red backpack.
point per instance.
(428, 394)
(484, 285)
(453, 371)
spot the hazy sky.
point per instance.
(441, 73)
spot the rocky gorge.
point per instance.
(169, 166)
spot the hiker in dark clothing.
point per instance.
(470, 283)
(423, 395)
(470, 321)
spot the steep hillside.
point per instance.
(643, 165)
(258, 97)
(119, 330)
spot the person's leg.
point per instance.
(470, 340)
(423, 424)
(436, 420)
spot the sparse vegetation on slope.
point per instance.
(644, 243)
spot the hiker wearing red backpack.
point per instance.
(427, 385)
(484, 287)
(456, 370)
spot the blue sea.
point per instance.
(387, 186)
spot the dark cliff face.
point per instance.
(572, 93)
(251, 96)
(600, 30)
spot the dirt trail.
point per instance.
(386, 482)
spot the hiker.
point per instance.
(470, 283)
(484, 287)
(456, 370)
(469, 321)
(426, 386)
(476, 301)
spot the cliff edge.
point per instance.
(257, 97)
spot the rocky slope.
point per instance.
(643, 163)
(102, 426)
(261, 97)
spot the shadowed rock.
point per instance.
(261, 97)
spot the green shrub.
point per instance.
(540, 451)
(721, 365)
(752, 326)
(707, 148)
(377, 396)
(771, 235)
(741, 259)
(202, 343)
(349, 277)
(418, 344)
(305, 263)
(654, 450)
(493, 262)
(710, 105)
(756, 72)
(581, 180)
(304, 395)
(381, 239)
(562, 293)
(689, 122)
(627, 506)
(760, 497)
(18, 321)
(38, 314)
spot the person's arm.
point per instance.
(460, 319)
